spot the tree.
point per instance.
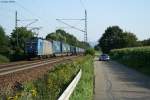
(83, 44)
(129, 40)
(61, 35)
(97, 47)
(2, 36)
(146, 42)
(4, 42)
(90, 51)
(110, 39)
(115, 38)
(23, 36)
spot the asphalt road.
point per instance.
(114, 81)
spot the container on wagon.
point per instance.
(65, 47)
(47, 48)
(72, 49)
(77, 49)
(57, 47)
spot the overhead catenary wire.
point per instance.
(14, 10)
(74, 27)
(82, 4)
(6, 10)
(70, 25)
(33, 14)
(17, 4)
(71, 20)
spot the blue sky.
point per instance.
(130, 15)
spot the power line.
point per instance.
(82, 4)
(74, 27)
(33, 14)
(70, 19)
(70, 25)
(25, 9)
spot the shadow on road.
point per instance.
(128, 75)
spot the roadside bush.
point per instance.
(51, 85)
(90, 51)
(3, 59)
(138, 58)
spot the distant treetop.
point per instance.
(62, 35)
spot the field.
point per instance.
(137, 58)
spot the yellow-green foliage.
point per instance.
(28, 93)
(137, 57)
(51, 85)
(90, 51)
(84, 89)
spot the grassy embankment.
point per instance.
(51, 85)
(137, 58)
(84, 89)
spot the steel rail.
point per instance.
(9, 70)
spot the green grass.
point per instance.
(84, 89)
(3, 59)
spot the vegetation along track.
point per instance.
(27, 72)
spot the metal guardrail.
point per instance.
(66, 94)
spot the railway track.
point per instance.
(12, 68)
(22, 62)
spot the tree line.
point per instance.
(115, 38)
(62, 35)
(10, 50)
(8, 44)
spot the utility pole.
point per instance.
(16, 25)
(32, 21)
(85, 34)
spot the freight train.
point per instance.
(39, 47)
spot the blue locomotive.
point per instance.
(44, 48)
